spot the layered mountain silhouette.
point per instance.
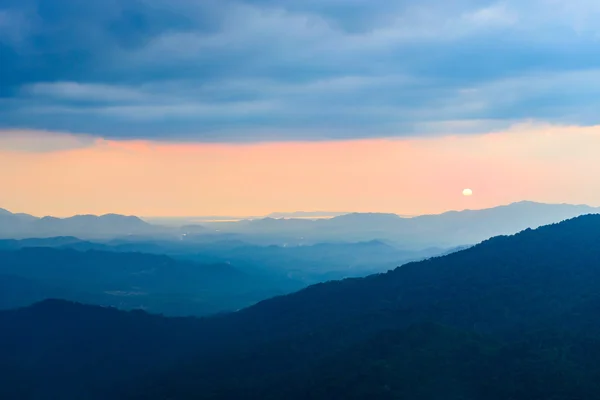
(513, 317)
(127, 280)
(266, 271)
(450, 229)
(446, 230)
(83, 226)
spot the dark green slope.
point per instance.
(512, 318)
(422, 362)
(503, 283)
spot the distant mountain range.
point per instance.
(446, 230)
(83, 226)
(514, 317)
(442, 230)
(24, 225)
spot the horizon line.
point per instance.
(333, 214)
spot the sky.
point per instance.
(246, 107)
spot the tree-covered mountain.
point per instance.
(513, 317)
(62, 350)
(17, 291)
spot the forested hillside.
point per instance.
(514, 317)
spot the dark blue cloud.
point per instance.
(234, 70)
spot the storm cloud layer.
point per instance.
(279, 70)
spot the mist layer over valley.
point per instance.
(128, 263)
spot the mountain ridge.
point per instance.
(83, 225)
(450, 229)
(537, 288)
(446, 230)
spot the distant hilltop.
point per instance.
(84, 226)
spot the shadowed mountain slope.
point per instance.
(513, 317)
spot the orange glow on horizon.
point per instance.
(406, 176)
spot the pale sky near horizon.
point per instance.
(247, 107)
(405, 176)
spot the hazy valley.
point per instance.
(514, 307)
(124, 262)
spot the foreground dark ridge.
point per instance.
(513, 317)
